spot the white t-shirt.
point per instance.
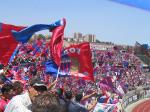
(19, 103)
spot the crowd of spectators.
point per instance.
(25, 87)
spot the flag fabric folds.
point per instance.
(52, 68)
(11, 35)
(7, 41)
(25, 34)
(56, 43)
(83, 53)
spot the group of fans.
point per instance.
(26, 87)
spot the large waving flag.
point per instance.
(7, 41)
(51, 68)
(56, 42)
(82, 54)
(143, 4)
(11, 35)
(25, 34)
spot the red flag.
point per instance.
(56, 43)
(83, 53)
(7, 41)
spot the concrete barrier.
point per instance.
(135, 95)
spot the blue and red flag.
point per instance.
(82, 54)
(52, 68)
(11, 35)
(25, 34)
(7, 41)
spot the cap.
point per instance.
(38, 84)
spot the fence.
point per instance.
(135, 95)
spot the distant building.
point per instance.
(77, 35)
(89, 38)
(79, 38)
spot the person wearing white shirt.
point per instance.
(23, 102)
(20, 103)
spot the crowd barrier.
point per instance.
(135, 95)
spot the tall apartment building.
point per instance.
(77, 35)
(90, 38)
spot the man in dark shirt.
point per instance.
(74, 106)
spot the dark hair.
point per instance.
(40, 88)
(68, 95)
(47, 102)
(6, 88)
(34, 83)
(78, 97)
(18, 87)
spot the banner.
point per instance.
(81, 60)
(104, 107)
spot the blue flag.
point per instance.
(25, 34)
(143, 4)
(52, 69)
